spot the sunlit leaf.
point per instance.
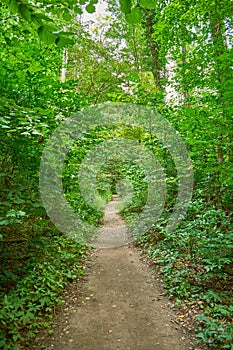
(46, 36)
(135, 16)
(125, 6)
(148, 4)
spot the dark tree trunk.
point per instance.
(154, 47)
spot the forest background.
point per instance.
(174, 57)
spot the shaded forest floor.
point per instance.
(119, 304)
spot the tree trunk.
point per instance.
(154, 48)
(64, 65)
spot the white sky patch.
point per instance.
(100, 12)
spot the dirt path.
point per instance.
(121, 305)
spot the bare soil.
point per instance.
(120, 304)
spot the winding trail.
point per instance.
(121, 305)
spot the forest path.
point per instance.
(121, 305)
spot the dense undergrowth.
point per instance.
(34, 274)
(195, 263)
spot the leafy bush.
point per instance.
(23, 307)
(196, 266)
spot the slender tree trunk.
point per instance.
(64, 65)
(219, 42)
(135, 51)
(154, 48)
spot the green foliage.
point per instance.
(35, 294)
(36, 261)
(35, 19)
(148, 4)
(125, 6)
(196, 263)
(90, 8)
(13, 217)
(71, 184)
(215, 333)
(134, 16)
(143, 50)
(47, 19)
(108, 177)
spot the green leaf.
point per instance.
(134, 16)
(4, 222)
(90, 8)
(41, 16)
(46, 36)
(63, 41)
(82, 2)
(24, 12)
(125, 6)
(13, 6)
(36, 21)
(66, 15)
(78, 10)
(148, 4)
(18, 201)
